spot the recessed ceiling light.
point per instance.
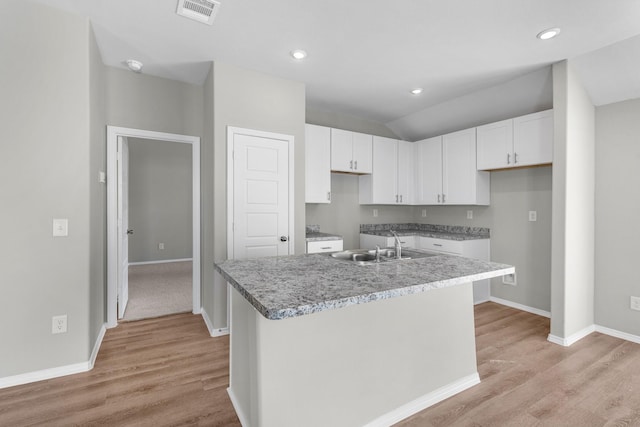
(416, 91)
(135, 66)
(298, 54)
(548, 33)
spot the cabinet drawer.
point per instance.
(324, 246)
(441, 245)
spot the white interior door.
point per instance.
(260, 196)
(123, 225)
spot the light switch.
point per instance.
(102, 177)
(469, 214)
(60, 227)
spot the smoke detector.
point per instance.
(199, 10)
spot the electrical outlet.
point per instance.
(469, 214)
(635, 303)
(375, 213)
(533, 216)
(424, 213)
(161, 246)
(510, 279)
(59, 324)
(60, 227)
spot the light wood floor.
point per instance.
(168, 371)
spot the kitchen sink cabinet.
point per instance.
(317, 164)
(370, 241)
(322, 246)
(445, 171)
(351, 151)
(390, 182)
(518, 142)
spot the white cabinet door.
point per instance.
(405, 155)
(317, 164)
(533, 139)
(384, 179)
(362, 153)
(458, 168)
(494, 144)
(341, 150)
(429, 171)
(322, 246)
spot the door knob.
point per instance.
(129, 231)
(284, 238)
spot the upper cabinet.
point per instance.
(523, 141)
(391, 180)
(351, 152)
(445, 171)
(317, 164)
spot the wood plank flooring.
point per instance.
(169, 371)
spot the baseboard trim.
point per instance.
(618, 334)
(214, 332)
(44, 374)
(573, 338)
(522, 307)
(162, 261)
(424, 402)
(244, 422)
(96, 346)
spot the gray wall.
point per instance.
(46, 172)
(160, 200)
(573, 225)
(146, 102)
(514, 239)
(98, 190)
(250, 100)
(617, 207)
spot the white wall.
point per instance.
(160, 200)
(572, 267)
(617, 207)
(47, 167)
(252, 100)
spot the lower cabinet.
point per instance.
(320, 246)
(478, 249)
(369, 241)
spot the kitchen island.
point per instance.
(317, 341)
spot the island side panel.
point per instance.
(243, 388)
(354, 365)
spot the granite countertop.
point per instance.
(314, 236)
(290, 286)
(448, 232)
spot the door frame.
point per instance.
(231, 133)
(112, 211)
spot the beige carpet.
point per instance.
(159, 289)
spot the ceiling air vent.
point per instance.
(199, 10)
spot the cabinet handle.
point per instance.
(515, 158)
(329, 195)
(355, 165)
(508, 158)
(396, 198)
(401, 198)
(326, 247)
(438, 198)
(443, 198)
(437, 244)
(351, 165)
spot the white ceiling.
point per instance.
(365, 56)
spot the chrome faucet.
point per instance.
(377, 253)
(398, 244)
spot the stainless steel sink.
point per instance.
(368, 256)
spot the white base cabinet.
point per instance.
(478, 249)
(321, 246)
(369, 241)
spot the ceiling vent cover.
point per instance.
(199, 10)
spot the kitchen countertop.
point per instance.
(319, 236)
(290, 286)
(448, 232)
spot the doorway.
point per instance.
(117, 228)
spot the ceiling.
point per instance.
(365, 56)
